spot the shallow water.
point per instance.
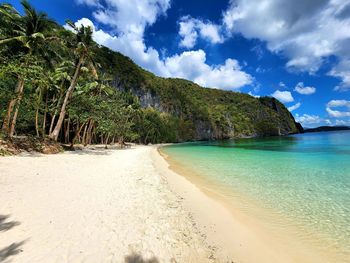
(304, 178)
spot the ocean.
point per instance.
(302, 182)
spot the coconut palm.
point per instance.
(83, 43)
(28, 32)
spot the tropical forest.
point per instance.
(58, 85)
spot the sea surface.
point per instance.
(302, 180)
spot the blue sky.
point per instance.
(297, 51)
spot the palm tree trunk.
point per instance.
(83, 139)
(78, 130)
(37, 122)
(56, 131)
(37, 113)
(11, 105)
(66, 136)
(17, 104)
(106, 142)
(44, 118)
(89, 132)
(57, 107)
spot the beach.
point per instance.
(93, 206)
(97, 205)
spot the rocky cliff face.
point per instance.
(201, 113)
(198, 113)
(269, 118)
(289, 124)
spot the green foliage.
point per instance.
(114, 99)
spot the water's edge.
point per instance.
(269, 222)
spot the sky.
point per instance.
(296, 51)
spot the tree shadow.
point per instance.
(137, 258)
(4, 226)
(11, 250)
(91, 152)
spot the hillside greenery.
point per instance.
(60, 84)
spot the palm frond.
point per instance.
(18, 38)
(71, 24)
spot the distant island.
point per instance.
(327, 129)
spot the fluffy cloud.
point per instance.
(189, 65)
(191, 29)
(306, 32)
(339, 103)
(283, 96)
(301, 89)
(311, 120)
(342, 71)
(294, 107)
(336, 113)
(128, 17)
(128, 21)
(307, 119)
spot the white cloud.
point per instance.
(191, 29)
(282, 85)
(307, 119)
(89, 2)
(337, 114)
(306, 32)
(189, 65)
(283, 96)
(81, 22)
(342, 71)
(342, 122)
(311, 120)
(338, 103)
(188, 33)
(294, 107)
(129, 17)
(301, 89)
(128, 21)
(253, 95)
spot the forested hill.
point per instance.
(62, 85)
(198, 113)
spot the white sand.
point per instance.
(93, 206)
(120, 206)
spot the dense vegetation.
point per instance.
(60, 84)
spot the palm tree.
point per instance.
(83, 44)
(60, 76)
(27, 31)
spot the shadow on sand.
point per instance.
(95, 149)
(4, 226)
(11, 250)
(137, 258)
(14, 248)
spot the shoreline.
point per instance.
(98, 205)
(243, 232)
(93, 205)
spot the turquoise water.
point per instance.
(305, 178)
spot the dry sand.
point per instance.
(93, 206)
(117, 206)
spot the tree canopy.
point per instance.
(61, 84)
